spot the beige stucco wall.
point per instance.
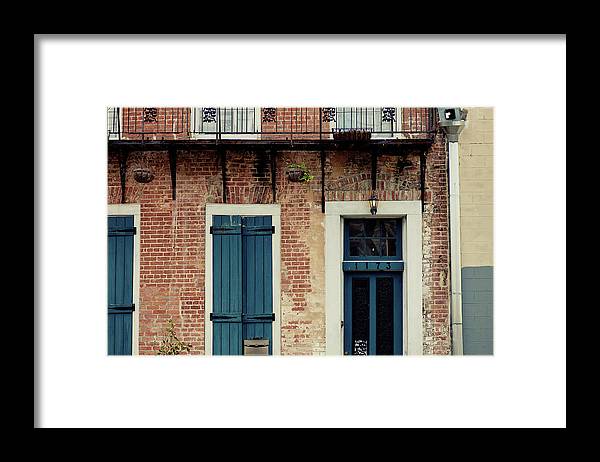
(476, 166)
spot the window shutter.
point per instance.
(121, 233)
(257, 235)
(227, 285)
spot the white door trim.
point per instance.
(132, 209)
(274, 210)
(412, 306)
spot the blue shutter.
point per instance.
(227, 285)
(242, 282)
(257, 318)
(120, 284)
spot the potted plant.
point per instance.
(170, 344)
(299, 173)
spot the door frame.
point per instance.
(412, 277)
(131, 209)
(274, 210)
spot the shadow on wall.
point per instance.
(477, 305)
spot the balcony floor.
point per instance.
(399, 145)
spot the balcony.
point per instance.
(378, 130)
(279, 126)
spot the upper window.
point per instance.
(229, 123)
(373, 239)
(381, 122)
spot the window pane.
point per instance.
(373, 228)
(373, 247)
(360, 316)
(390, 228)
(356, 228)
(358, 248)
(388, 247)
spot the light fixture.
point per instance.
(373, 203)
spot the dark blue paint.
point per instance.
(257, 240)
(120, 284)
(380, 266)
(242, 282)
(227, 249)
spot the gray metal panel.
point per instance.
(477, 305)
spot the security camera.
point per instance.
(451, 114)
(452, 120)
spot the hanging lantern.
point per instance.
(373, 201)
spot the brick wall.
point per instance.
(295, 123)
(155, 123)
(436, 287)
(173, 233)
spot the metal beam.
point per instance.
(273, 174)
(122, 172)
(173, 169)
(422, 165)
(322, 180)
(223, 157)
(391, 146)
(374, 154)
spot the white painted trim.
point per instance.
(274, 210)
(132, 209)
(412, 232)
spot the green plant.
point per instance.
(170, 344)
(306, 176)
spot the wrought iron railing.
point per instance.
(270, 123)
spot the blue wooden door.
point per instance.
(373, 268)
(242, 282)
(121, 233)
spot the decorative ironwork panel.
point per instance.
(360, 347)
(269, 114)
(388, 114)
(209, 114)
(385, 316)
(150, 114)
(329, 114)
(360, 315)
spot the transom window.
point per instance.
(373, 239)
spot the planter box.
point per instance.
(352, 135)
(143, 175)
(295, 174)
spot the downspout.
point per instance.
(453, 128)
(455, 263)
